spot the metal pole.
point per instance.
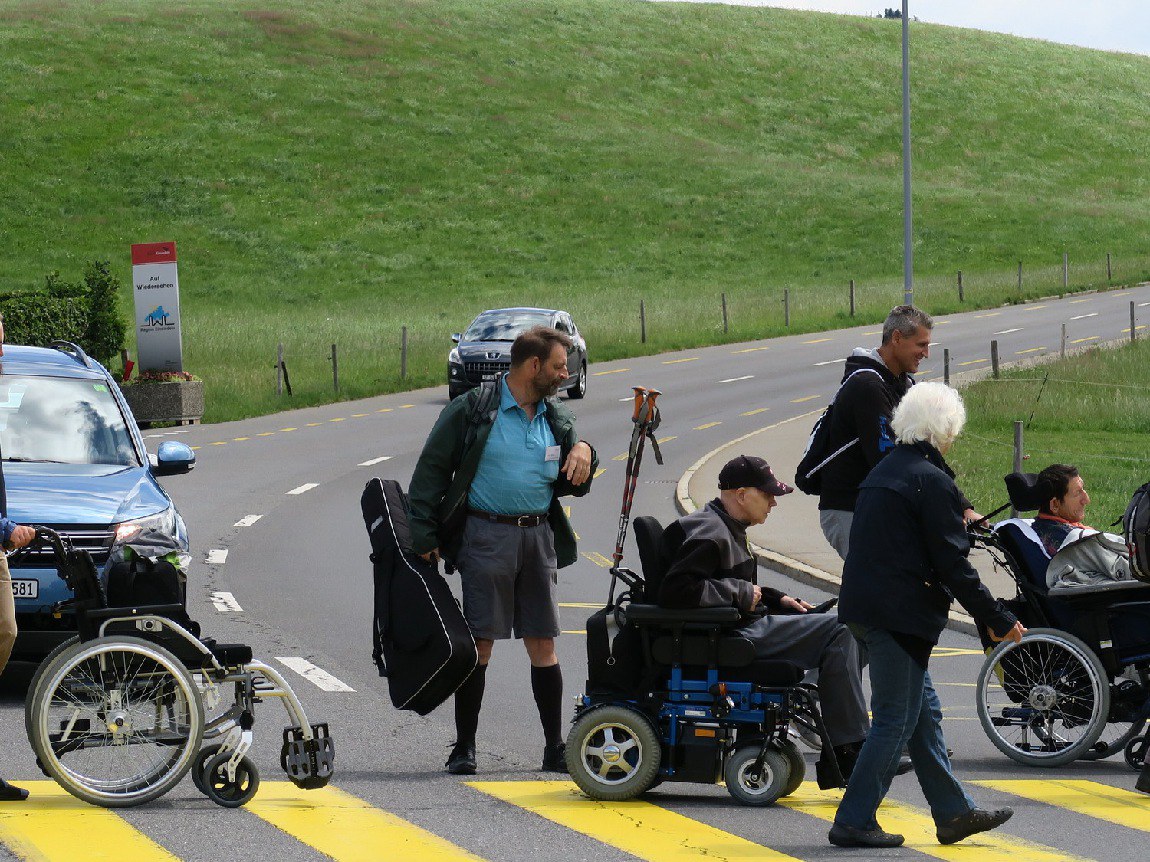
(403, 354)
(994, 358)
(1065, 270)
(908, 250)
(1017, 456)
(946, 365)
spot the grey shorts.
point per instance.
(508, 576)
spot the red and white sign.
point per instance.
(156, 290)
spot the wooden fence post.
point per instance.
(994, 358)
(786, 307)
(852, 297)
(961, 298)
(403, 354)
(724, 313)
(642, 322)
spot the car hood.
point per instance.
(80, 493)
(478, 350)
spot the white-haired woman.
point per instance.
(907, 562)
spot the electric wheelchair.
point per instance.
(1077, 685)
(676, 695)
(119, 714)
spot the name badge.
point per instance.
(552, 453)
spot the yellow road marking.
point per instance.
(1028, 350)
(1076, 301)
(804, 398)
(289, 429)
(1080, 340)
(358, 415)
(816, 341)
(239, 439)
(639, 828)
(991, 314)
(599, 472)
(337, 419)
(749, 350)
(622, 457)
(314, 424)
(347, 829)
(612, 371)
(756, 411)
(598, 559)
(1112, 804)
(1033, 307)
(974, 362)
(385, 410)
(706, 426)
(1142, 326)
(663, 440)
(405, 406)
(574, 631)
(265, 433)
(51, 824)
(219, 443)
(196, 448)
(918, 827)
(676, 361)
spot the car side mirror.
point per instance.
(456, 336)
(174, 457)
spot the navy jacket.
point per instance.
(908, 551)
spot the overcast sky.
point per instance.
(1113, 25)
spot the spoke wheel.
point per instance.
(116, 721)
(613, 753)
(34, 684)
(1044, 701)
(756, 787)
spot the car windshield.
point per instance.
(62, 420)
(504, 326)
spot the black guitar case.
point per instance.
(421, 642)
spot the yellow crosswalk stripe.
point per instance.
(1113, 804)
(639, 828)
(347, 829)
(53, 825)
(918, 827)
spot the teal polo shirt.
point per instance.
(515, 475)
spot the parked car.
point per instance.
(483, 350)
(74, 460)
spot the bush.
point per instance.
(85, 313)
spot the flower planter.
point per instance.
(174, 401)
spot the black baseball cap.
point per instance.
(749, 471)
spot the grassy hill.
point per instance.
(334, 170)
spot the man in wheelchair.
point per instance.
(709, 565)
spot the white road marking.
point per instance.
(217, 557)
(375, 461)
(831, 362)
(737, 379)
(313, 674)
(1084, 316)
(225, 603)
(1008, 331)
(302, 489)
(247, 520)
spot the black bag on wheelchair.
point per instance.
(139, 582)
(1136, 531)
(614, 653)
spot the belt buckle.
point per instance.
(524, 521)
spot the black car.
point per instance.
(483, 350)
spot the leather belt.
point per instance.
(513, 520)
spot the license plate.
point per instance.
(25, 589)
(490, 376)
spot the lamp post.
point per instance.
(907, 219)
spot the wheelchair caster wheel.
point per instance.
(756, 787)
(224, 791)
(200, 765)
(1136, 751)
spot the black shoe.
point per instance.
(555, 757)
(905, 765)
(848, 836)
(1143, 782)
(461, 761)
(971, 823)
(11, 793)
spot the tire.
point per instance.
(759, 789)
(227, 793)
(798, 766)
(1123, 723)
(36, 676)
(126, 717)
(199, 766)
(613, 753)
(1044, 701)
(580, 388)
(1136, 751)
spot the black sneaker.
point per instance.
(555, 758)
(461, 761)
(848, 836)
(971, 823)
(1143, 783)
(11, 793)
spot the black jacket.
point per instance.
(709, 564)
(908, 551)
(863, 408)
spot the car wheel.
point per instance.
(580, 387)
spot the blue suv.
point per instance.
(74, 460)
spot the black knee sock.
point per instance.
(468, 702)
(547, 686)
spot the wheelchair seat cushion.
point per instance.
(230, 655)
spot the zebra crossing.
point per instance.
(54, 827)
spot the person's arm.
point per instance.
(689, 582)
(870, 407)
(13, 535)
(578, 470)
(432, 476)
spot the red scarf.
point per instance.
(1047, 517)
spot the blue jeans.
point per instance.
(905, 712)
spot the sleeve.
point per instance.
(6, 527)
(948, 545)
(433, 474)
(687, 584)
(870, 408)
(563, 487)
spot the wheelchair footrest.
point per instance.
(308, 763)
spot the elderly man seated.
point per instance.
(710, 566)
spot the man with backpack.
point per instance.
(485, 498)
(873, 383)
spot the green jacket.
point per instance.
(447, 466)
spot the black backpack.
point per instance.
(1136, 531)
(818, 453)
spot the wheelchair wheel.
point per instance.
(798, 766)
(116, 721)
(1127, 694)
(32, 686)
(225, 791)
(1044, 701)
(613, 753)
(761, 787)
(199, 766)
(1136, 751)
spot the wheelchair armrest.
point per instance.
(704, 617)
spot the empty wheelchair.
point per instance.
(1077, 685)
(121, 713)
(676, 695)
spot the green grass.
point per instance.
(334, 170)
(1091, 410)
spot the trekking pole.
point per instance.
(646, 419)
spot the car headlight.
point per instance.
(453, 357)
(156, 536)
